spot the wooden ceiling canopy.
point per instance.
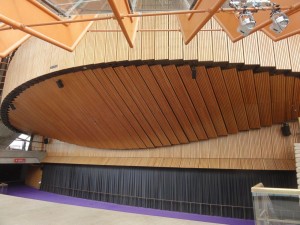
(148, 106)
(17, 22)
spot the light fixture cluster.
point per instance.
(247, 22)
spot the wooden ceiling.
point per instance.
(147, 106)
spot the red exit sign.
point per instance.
(20, 160)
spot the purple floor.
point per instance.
(27, 192)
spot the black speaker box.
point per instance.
(46, 141)
(285, 130)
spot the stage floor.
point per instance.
(16, 211)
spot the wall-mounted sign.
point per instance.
(19, 160)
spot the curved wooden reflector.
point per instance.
(148, 106)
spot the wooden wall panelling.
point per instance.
(185, 101)
(101, 76)
(90, 45)
(294, 49)
(251, 54)
(278, 98)
(162, 102)
(100, 39)
(175, 40)
(111, 41)
(235, 55)
(166, 87)
(33, 177)
(249, 95)
(91, 76)
(219, 87)
(279, 150)
(142, 105)
(246, 164)
(66, 59)
(269, 164)
(266, 143)
(203, 163)
(205, 45)
(190, 51)
(79, 52)
(282, 56)
(139, 83)
(161, 38)
(220, 47)
(235, 164)
(214, 149)
(122, 48)
(289, 82)
(245, 145)
(148, 38)
(235, 94)
(43, 64)
(209, 97)
(135, 53)
(224, 163)
(266, 50)
(263, 93)
(197, 99)
(255, 142)
(296, 99)
(258, 164)
(214, 163)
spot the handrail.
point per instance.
(260, 189)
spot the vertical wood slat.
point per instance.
(235, 94)
(100, 38)
(169, 93)
(209, 97)
(294, 49)
(89, 51)
(205, 45)
(278, 98)
(250, 99)
(175, 40)
(148, 38)
(296, 99)
(220, 48)
(290, 83)
(122, 48)
(218, 85)
(266, 50)
(263, 92)
(111, 41)
(197, 99)
(161, 38)
(251, 53)
(282, 56)
(235, 55)
(184, 99)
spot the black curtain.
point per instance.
(11, 173)
(210, 192)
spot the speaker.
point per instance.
(285, 130)
(59, 84)
(46, 141)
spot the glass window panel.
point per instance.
(161, 5)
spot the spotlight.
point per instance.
(280, 21)
(59, 84)
(247, 22)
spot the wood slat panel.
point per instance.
(266, 50)
(185, 101)
(250, 99)
(117, 98)
(219, 87)
(263, 93)
(197, 99)
(148, 38)
(251, 54)
(278, 93)
(164, 83)
(281, 54)
(142, 105)
(175, 40)
(205, 46)
(111, 37)
(162, 102)
(289, 88)
(89, 53)
(296, 99)
(100, 38)
(161, 38)
(236, 98)
(111, 75)
(294, 50)
(122, 48)
(220, 50)
(210, 100)
(235, 55)
(137, 79)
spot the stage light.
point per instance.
(280, 21)
(247, 22)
